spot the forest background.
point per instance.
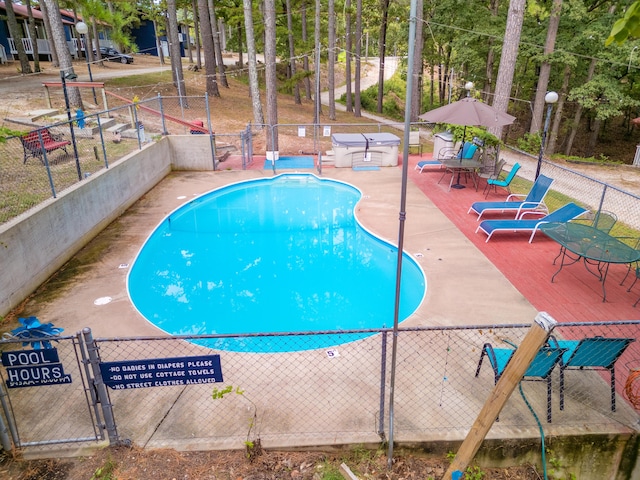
(513, 52)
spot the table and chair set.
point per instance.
(583, 236)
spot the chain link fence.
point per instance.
(313, 395)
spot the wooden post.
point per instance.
(540, 330)
(48, 96)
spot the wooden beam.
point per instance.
(540, 330)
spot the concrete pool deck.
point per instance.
(463, 288)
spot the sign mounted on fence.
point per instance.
(34, 368)
(161, 372)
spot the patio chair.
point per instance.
(539, 370)
(534, 200)
(597, 353)
(495, 182)
(563, 214)
(605, 220)
(467, 151)
(414, 141)
(492, 173)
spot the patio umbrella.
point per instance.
(468, 112)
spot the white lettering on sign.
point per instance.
(34, 374)
(26, 358)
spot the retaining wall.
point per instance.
(36, 244)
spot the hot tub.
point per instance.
(362, 149)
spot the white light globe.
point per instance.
(551, 97)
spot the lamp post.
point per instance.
(468, 87)
(550, 98)
(63, 78)
(83, 29)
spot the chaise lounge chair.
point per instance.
(534, 200)
(563, 214)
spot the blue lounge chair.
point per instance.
(596, 353)
(496, 182)
(534, 200)
(540, 368)
(563, 214)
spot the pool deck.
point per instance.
(469, 282)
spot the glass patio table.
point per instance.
(458, 166)
(595, 247)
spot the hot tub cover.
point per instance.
(365, 139)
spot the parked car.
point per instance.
(113, 55)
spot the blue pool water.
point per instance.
(284, 254)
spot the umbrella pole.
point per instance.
(458, 185)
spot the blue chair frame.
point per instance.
(495, 182)
(534, 200)
(563, 214)
(596, 353)
(539, 370)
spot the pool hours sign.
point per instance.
(161, 372)
(34, 368)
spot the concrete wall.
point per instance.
(35, 245)
(191, 152)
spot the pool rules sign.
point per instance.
(34, 368)
(161, 372)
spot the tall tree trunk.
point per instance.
(16, 33)
(382, 52)
(557, 118)
(578, 115)
(222, 76)
(331, 60)
(158, 43)
(196, 32)
(174, 51)
(64, 55)
(508, 59)
(356, 99)
(34, 38)
(209, 52)
(349, 55)
(545, 68)
(240, 57)
(187, 37)
(418, 65)
(593, 138)
(292, 53)
(254, 88)
(96, 40)
(305, 57)
(316, 40)
(47, 27)
(270, 73)
(488, 72)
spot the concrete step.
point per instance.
(117, 127)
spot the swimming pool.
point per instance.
(283, 254)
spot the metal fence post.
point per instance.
(104, 147)
(46, 164)
(212, 135)
(164, 123)
(101, 388)
(383, 380)
(7, 412)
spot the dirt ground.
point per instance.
(19, 94)
(125, 463)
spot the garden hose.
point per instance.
(544, 456)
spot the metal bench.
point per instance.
(39, 142)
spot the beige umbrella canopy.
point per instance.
(468, 112)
